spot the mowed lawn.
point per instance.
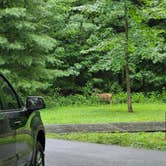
(155, 141)
(103, 114)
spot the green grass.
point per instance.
(103, 114)
(153, 141)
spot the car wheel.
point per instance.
(39, 155)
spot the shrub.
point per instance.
(72, 100)
(163, 96)
(138, 97)
(119, 98)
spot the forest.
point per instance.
(69, 47)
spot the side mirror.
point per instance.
(35, 103)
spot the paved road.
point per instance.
(68, 153)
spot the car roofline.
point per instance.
(17, 96)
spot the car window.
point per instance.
(8, 98)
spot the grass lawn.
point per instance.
(153, 141)
(103, 114)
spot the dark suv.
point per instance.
(22, 135)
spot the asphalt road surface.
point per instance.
(70, 153)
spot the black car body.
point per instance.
(22, 134)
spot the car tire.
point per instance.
(39, 155)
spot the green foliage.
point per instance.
(163, 96)
(24, 47)
(119, 98)
(78, 46)
(96, 31)
(150, 97)
(73, 100)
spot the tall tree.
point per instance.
(130, 109)
(23, 44)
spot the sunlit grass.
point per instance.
(155, 141)
(103, 114)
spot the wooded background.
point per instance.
(78, 46)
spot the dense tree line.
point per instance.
(78, 46)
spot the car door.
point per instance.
(8, 104)
(19, 116)
(24, 139)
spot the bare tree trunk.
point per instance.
(25, 3)
(128, 86)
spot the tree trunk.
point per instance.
(128, 86)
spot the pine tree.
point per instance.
(24, 47)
